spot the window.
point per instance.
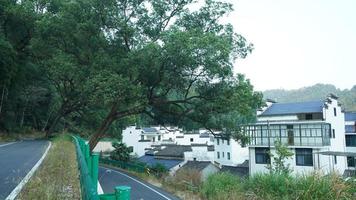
(222, 141)
(218, 154)
(290, 134)
(333, 133)
(154, 139)
(218, 141)
(228, 142)
(262, 156)
(351, 161)
(223, 154)
(130, 132)
(304, 157)
(159, 138)
(191, 139)
(350, 140)
(195, 159)
(228, 155)
(335, 112)
(142, 137)
(308, 116)
(130, 149)
(335, 160)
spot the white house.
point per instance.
(195, 137)
(350, 137)
(313, 131)
(228, 152)
(141, 139)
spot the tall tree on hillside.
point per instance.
(169, 63)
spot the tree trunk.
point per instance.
(2, 98)
(47, 120)
(53, 125)
(22, 117)
(101, 131)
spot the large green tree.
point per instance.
(170, 63)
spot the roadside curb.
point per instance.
(19, 187)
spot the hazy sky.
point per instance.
(297, 42)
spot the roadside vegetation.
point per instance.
(23, 135)
(278, 186)
(58, 176)
(279, 183)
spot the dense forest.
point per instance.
(315, 92)
(92, 67)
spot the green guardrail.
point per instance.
(88, 167)
(124, 165)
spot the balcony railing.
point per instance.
(294, 134)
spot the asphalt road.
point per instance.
(140, 190)
(16, 160)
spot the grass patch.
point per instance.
(58, 177)
(278, 186)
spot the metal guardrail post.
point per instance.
(95, 168)
(122, 192)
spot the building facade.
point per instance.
(313, 131)
(350, 137)
(228, 152)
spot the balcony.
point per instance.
(292, 134)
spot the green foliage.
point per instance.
(101, 65)
(158, 170)
(222, 186)
(278, 186)
(121, 152)
(282, 154)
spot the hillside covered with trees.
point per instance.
(315, 92)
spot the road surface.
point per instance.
(140, 190)
(16, 160)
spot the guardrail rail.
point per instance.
(88, 167)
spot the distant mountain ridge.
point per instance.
(315, 92)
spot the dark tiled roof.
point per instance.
(196, 165)
(350, 116)
(239, 171)
(152, 161)
(294, 108)
(211, 148)
(149, 130)
(204, 135)
(173, 151)
(350, 129)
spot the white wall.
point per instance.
(322, 163)
(238, 154)
(104, 146)
(278, 118)
(338, 123)
(200, 153)
(196, 140)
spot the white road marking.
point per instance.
(2, 145)
(19, 187)
(140, 183)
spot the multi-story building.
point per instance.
(313, 131)
(350, 137)
(228, 152)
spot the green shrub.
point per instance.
(270, 186)
(158, 170)
(222, 186)
(278, 186)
